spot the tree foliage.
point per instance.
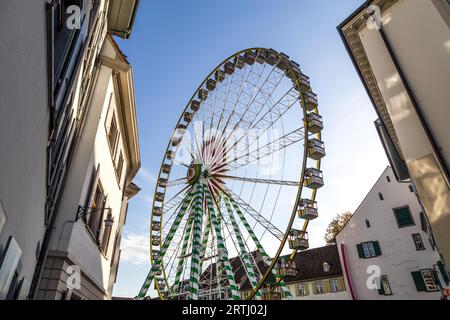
(335, 226)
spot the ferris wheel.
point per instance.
(238, 180)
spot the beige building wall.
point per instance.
(419, 34)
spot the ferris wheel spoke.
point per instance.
(277, 233)
(262, 96)
(265, 257)
(244, 255)
(263, 181)
(271, 117)
(177, 182)
(266, 150)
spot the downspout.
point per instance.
(347, 273)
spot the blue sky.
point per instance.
(175, 44)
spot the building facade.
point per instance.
(400, 50)
(314, 274)
(51, 53)
(387, 248)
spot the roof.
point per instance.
(367, 195)
(123, 80)
(309, 264)
(121, 17)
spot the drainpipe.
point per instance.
(347, 273)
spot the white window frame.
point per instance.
(369, 250)
(334, 285)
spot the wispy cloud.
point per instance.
(146, 176)
(135, 249)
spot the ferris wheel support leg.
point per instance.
(244, 254)
(184, 247)
(267, 260)
(223, 254)
(196, 245)
(158, 261)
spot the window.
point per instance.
(388, 179)
(369, 249)
(119, 168)
(367, 223)
(443, 269)
(411, 188)
(403, 217)
(418, 241)
(320, 288)
(384, 286)
(97, 207)
(426, 280)
(113, 134)
(334, 285)
(380, 195)
(302, 290)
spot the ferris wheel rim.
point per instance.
(300, 184)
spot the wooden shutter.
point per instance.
(297, 290)
(444, 272)
(418, 281)
(326, 286)
(306, 284)
(341, 284)
(360, 249)
(93, 186)
(376, 247)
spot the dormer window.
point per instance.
(326, 266)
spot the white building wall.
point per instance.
(24, 125)
(399, 255)
(93, 150)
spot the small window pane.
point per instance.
(418, 241)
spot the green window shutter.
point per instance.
(423, 222)
(376, 247)
(360, 249)
(418, 281)
(404, 217)
(444, 272)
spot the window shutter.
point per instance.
(315, 287)
(93, 186)
(444, 272)
(341, 284)
(418, 281)
(423, 222)
(297, 290)
(360, 249)
(306, 284)
(326, 286)
(376, 247)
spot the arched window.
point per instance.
(380, 195)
